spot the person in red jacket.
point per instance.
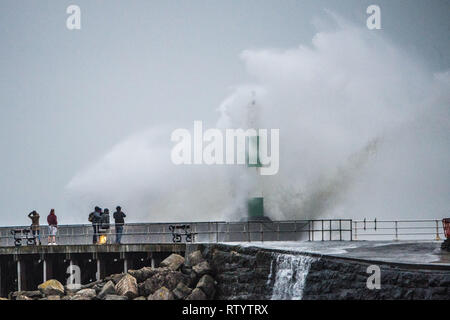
(52, 227)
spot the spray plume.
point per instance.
(364, 132)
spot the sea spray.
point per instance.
(359, 137)
(288, 274)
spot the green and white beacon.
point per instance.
(255, 200)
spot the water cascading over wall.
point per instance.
(288, 276)
(255, 274)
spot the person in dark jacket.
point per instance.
(95, 218)
(105, 219)
(52, 221)
(119, 221)
(104, 223)
(35, 229)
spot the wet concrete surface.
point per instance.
(402, 252)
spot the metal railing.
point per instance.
(216, 231)
(221, 231)
(422, 229)
(330, 229)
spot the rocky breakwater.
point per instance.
(174, 279)
(258, 273)
(241, 273)
(334, 278)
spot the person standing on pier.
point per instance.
(119, 221)
(104, 224)
(95, 218)
(35, 229)
(52, 221)
(104, 218)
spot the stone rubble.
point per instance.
(174, 279)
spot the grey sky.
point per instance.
(66, 97)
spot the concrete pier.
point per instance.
(24, 268)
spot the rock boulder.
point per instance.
(51, 287)
(108, 288)
(197, 294)
(143, 273)
(195, 258)
(167, 278)
(173, 262)
(88, 293)
(181, 291)
(161, 294)
(202, 268)
(127, 286)
(29, 294)
(206, 283)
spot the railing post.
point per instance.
(351, 230)
(217, 232)
(340, 230)
(262, 232)
(437, 231)
(330, 229)
(309, 230)
(396, 230)
(278, 231)
(312, 230)
(194, 233)
(323, 232)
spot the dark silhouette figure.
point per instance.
(119, 221)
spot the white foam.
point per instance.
(289, 272)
